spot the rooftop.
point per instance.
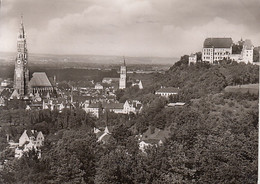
(113, 105)
(218, 43)
(248, 44)
(168, 90)
(40, 79)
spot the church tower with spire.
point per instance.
(122, 80)
(21, 73)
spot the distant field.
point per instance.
(251, 88)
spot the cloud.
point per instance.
(128, 27)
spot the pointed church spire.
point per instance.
(124, 61)
(21, 19)
(21, 32)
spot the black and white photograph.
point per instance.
(129, 91)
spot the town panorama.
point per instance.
(129, 92)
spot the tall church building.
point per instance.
(122, 80)
(21, 73)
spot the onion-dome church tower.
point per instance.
(21, 73)
(122, 80)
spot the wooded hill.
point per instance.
(212, 139)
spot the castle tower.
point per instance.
(21, 73)
(122, 80)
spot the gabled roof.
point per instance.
(113, 105)
(15, 94)
(80, 98)
(218, 43)
(40, 79)
(31, 133)
(168, 90)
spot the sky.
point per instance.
(163, 28)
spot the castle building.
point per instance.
(192, 58)
(215, 49)
(21, 73)
(246, 54)
(247, 51)
(122, 80)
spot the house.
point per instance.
(109, 80)
(175, 104)
(133, 106)
(35, 105)
(129, 106)
(99, 86)
(94, 108)
(5, 83)
(192, 58)
(113, 107)
(139, 84)
(154, 137)
(59, 104)
(29, 140)
(215, 49)
(167, 91)
(143, 145)
(103, 136)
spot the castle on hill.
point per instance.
(216, 49)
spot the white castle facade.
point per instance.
(215, 49)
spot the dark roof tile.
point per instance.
(218, 43)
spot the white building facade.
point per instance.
(166, 92)
(247, 52)
(215, 49)
(192, 58)
(29, 140)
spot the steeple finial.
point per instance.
(22, 33)
(21, 20)
(124, 61)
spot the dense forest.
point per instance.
(213, 137)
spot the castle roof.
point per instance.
(40, 79)
(248, 44)
(218, 43)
